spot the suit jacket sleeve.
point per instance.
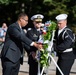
(15, 32)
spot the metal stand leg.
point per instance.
(38, 68)
(56, 65)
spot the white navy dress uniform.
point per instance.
(64, 46)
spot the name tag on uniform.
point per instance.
(35, 35)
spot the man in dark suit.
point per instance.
(13, 46)
(64, 41)
(33, 34)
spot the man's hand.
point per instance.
(39, 46)
(33, 54)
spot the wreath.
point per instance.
(45, 38)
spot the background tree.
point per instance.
(9, 9)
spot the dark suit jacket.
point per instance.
(13, 43)
(32, 34)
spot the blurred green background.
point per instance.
(9, 10)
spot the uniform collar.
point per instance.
(59, 31)
(37, 29)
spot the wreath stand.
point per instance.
(50, 57)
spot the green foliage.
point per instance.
(4, 2)
(49, 8)
(47, 1)
(44, 58)
(48, 36)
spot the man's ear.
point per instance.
(20, 20)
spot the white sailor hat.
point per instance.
(37, 17)
(61, 17)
